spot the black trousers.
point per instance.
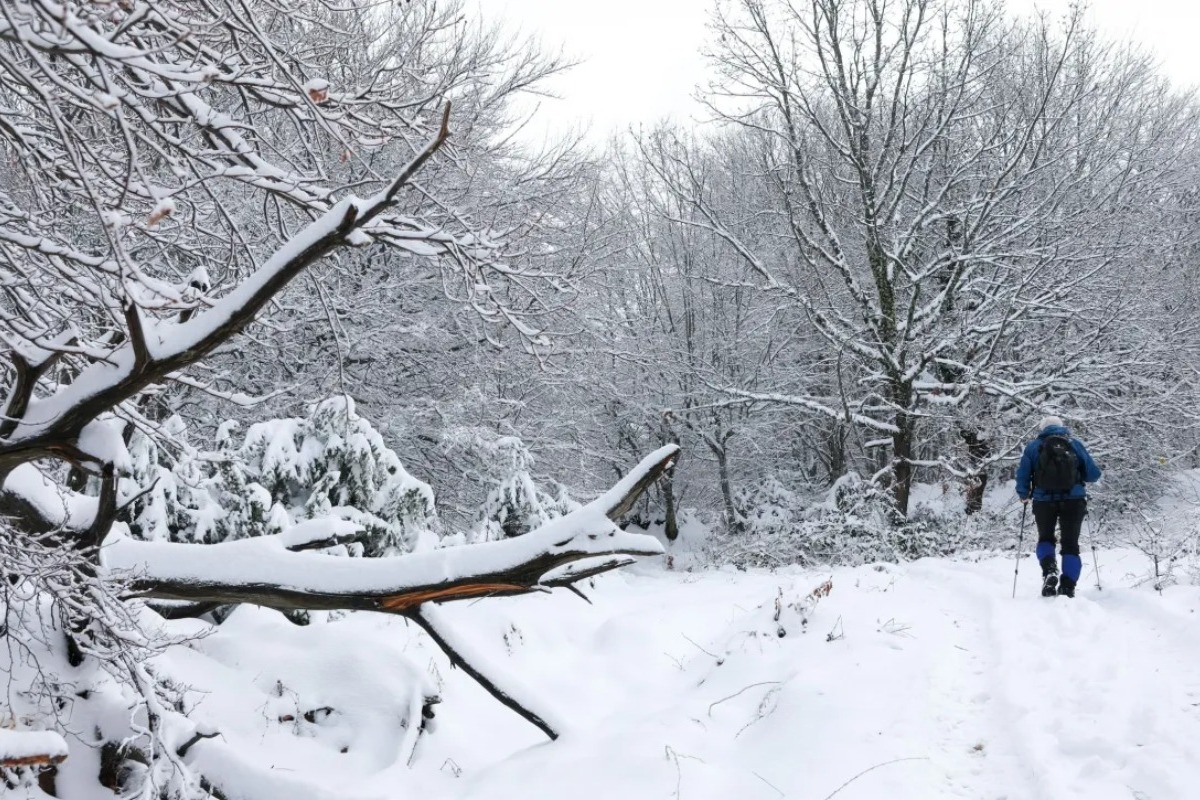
(1067, 514)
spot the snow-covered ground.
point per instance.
(910, 682)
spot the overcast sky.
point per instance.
(641, 58)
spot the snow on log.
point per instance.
(265, 571)
(31, 748)
(618, 500)
(29, 494)
(312, 534)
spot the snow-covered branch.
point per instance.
(152, 352)
(269, 571)
(31, 748)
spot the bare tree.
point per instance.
(940, 187)
(676, 320)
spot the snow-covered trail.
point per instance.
(928, 676)
(1100, 697)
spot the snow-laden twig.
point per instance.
(871, 769)
(739, 692)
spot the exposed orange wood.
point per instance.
(42, 760)
(401, 602)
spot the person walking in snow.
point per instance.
(1054, 468)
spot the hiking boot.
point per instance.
(1049, 576)
(1066, 588)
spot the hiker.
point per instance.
(1055, 467)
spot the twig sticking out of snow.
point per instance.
(673, 755)
(739, 692)
(870, 769)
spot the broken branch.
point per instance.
(279, 578)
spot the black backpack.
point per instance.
(1057, 469)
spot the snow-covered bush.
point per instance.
(244, 505)
(332, 463)
(76, 651)
(767, 508)
(157, 491)
(516, 505)
(1169, 539)
(854, 522)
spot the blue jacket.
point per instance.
(1029, 460)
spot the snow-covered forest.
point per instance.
(330, 397)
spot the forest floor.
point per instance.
(918, 681)
(925, 680)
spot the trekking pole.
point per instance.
(1020, 546)
(1095, 560)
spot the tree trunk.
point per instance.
(978, 449)
(902, 470)
(731, 521)
(835, 452)
(903, 444)
(671, 528)
(667, 482)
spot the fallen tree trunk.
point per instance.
(276, 572)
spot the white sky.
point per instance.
(641, 58)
